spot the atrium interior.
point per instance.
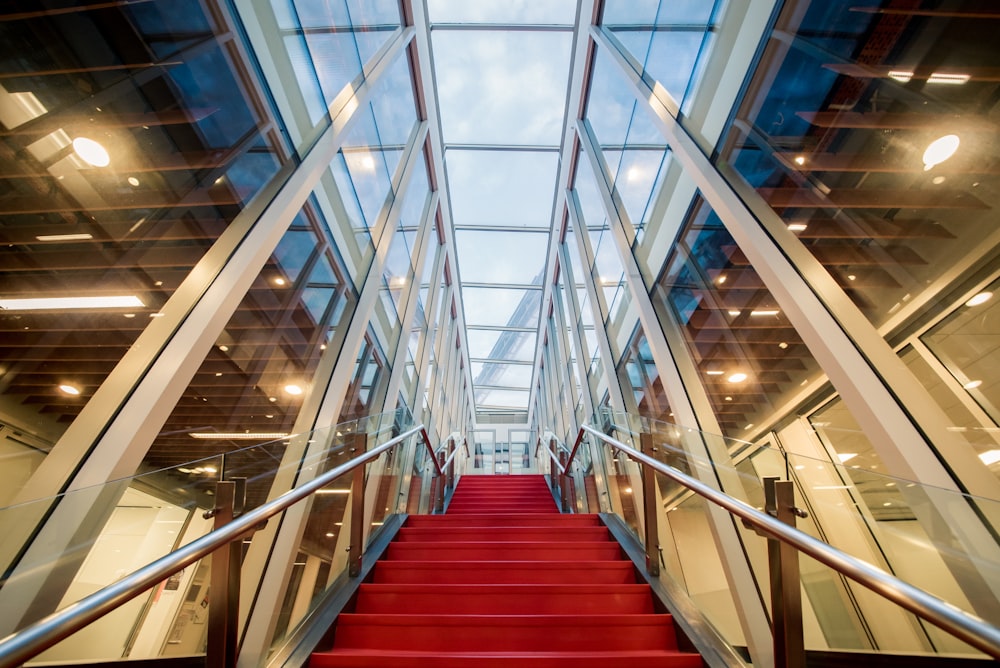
(236, 233)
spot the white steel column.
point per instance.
(428, 95)
(424, 235)
(586, 14)
(435, 294)
(110, 437)
(670, 362)
(269, 562)
(579, 341)
(582, 236)
(895, 411)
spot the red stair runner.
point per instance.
(504, 580)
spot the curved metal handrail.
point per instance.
(963, 625)
(28, 642)
(465, 446)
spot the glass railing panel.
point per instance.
(125, 524)
(689, 526)
(323, 555)
(116, 528)
(929, 537)
(909, 530)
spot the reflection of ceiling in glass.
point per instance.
(502, 71)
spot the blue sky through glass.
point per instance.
(502, 98)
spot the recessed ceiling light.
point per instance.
(782, 345)
(279, 281)
(224, 348)
(972, 384)
(764, 312)
(60, 303)
(738, 377)
(800, 160)
(797, 227)
(990, 457)
(978, 299)
(901, 76)
(237, 435)
(70, 390)
(91, 152)
(715, 372)
(132, 181)
(946, 78)
(940, 150)
(81, 236)
(733, 313)
(293, 389)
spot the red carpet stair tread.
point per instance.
(503, 579)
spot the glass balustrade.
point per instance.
(120, 526)
(929, 537)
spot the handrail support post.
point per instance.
(359, 443)
(223, 605)
(783, 562)
(649, 506)
(442, 482)
(564, 483)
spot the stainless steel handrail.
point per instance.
(465, 446)
(28, 642)
(963, 625)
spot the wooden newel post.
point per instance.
(651, 513)
(357, 445)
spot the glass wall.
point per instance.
(877, 148)
(118, 177)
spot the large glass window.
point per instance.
(876, 146)
(122, 166)
(749, 356)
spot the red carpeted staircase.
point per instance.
(504, 580)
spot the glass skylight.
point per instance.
(502, 71)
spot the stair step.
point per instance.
(495, 633)
(380, 659)
(504, 599)
(498, 534)
(505, 520)
(572, 571)
(493, 550)
(504, 580)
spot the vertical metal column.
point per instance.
(223, 596)
(359, 443)
(783, 562)
(563, 478)
(441, 480)
(649, 507)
